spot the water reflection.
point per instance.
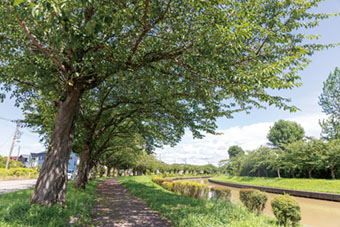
(315, 213)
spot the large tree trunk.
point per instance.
(83, 169)
(51, 184)
(332, 172)
(278, 173)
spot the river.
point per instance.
(314, 212)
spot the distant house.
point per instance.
(24, 159)
(37, 159)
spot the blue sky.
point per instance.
(247, 130)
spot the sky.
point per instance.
(246, 130)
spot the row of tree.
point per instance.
(290, 154)
(108, 79)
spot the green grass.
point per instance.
(186, 211)
(15, 209)
(315, 185)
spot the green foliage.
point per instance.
(221, 193)
(185, 211)
(159, 180)
(12, 163)
(235, 150)
(329, 100)
(286, 209)
(285, 132)
(167, 185)
(26, 172)
(194, 190)
(15, 209)
(254, 200)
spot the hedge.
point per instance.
(254, 200)
(286, 209)
(219, 192)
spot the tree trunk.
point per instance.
(332, 172)
(278, 173)
(266, 172)
(102, 171)
(51, 184)
(108, 171)
(293, 173)
(259, 173)
(94, 172)
(310, 173)
(83, 169)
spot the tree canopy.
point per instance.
(225, 56)
(235, 150)
(285, 132)
(329, 100)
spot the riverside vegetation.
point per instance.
(184, 209)
(315, 185)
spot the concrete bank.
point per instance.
(306, 194)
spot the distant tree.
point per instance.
(329, 101)
(331, 158)
(285, 132)
(235, 150)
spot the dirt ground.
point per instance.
(116, 206)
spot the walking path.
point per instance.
(15, 185)
(116, 206)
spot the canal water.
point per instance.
(314, 212)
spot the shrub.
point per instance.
(194, 190)
(12, 163)
(167, 185)
(254, 200)
(18, 172)
(221, 192)
(286, 209)
(159, 180)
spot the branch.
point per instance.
(38, 44)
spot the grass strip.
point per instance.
(314, 185)
(186, 211)
(15, 209)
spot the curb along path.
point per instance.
(116, 206)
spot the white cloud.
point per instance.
(213, 148)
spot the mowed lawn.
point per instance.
(186, 211)
(315, 185)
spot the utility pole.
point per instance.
(18, 153)
(13, 141)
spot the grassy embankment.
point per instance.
(186, 211)
(316, 185)
(15, 209)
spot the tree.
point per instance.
(331, 157)
(308, 154)
(234, 151)
(285, 132)
(237, 52)
(329, 100)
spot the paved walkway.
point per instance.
(15, 185)
(116, 206)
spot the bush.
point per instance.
(194, 190)
(12, 163)
(254, 200)
(286, 209)
(159, 180)
(167, 185)
(27, 172)
(221, 193)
